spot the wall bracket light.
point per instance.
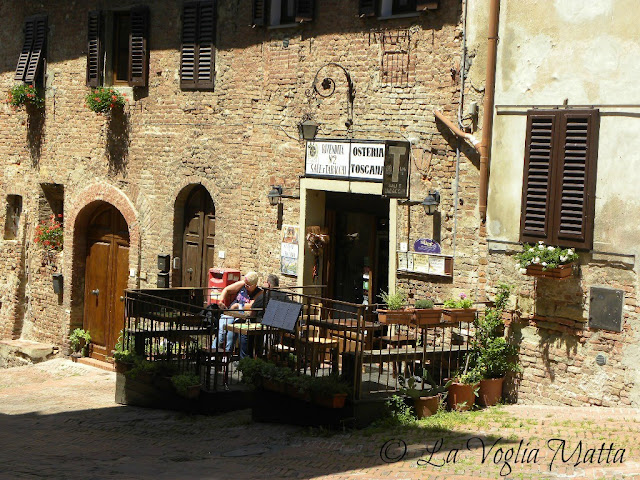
(430, 203)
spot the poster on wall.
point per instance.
(289, 250)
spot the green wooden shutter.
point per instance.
(138, 47)
(576, 178)
(23, 59)
(259, 13)
(94, 49)
(367, 8)
(305, 10)
(36, 59)
(206, 44)
(189, 45)
(537, 190)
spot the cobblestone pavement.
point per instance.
(59, 420)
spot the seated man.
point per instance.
(242, 294)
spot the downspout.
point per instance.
(489, 98)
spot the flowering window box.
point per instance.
(395, 317)
(457, 315)
(561, 271)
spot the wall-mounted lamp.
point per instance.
(430, 203)
(308, 129)
(275, 195)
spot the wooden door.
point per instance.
(106, 275)
(198, 238)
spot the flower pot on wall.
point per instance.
(457, 315)
(395, 317)
(426, 406)
(427, 316)
(490, 391)
(461, 396)
(562, 271)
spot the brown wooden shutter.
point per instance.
(259, 13)
(206, 44)
(576, 178)
(189, 45)
(94, 49)
(367, 8)
(535, 221)
(23, 59)
(304, 10)
(38, 51)
(138, 47)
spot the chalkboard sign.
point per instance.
(283, 315)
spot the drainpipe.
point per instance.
(489, 96)
(475, 143)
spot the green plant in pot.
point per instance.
(187, 385)
(123, 358)
(79, 341)
(329, 391)
(462, 392)
(426, 314)
(253, 370)
(495, 356)
(458, 310)
(426, 401)
(396, 311)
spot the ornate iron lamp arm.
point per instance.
(328, 88)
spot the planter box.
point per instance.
(395, 317)
(563, 271)
(295, 392)
(457, 315)
(192, 392)
(427, 316)
(274, 385)
(121, 367)
(336, 400)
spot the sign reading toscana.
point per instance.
(347, 159)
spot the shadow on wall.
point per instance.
(35, 134)
(117, 147)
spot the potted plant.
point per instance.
(103, 100)
(493, 352)
(299, 386)
(546, 261)
(123, 358)
(187, 385)
(458, 310)
(425, 313)
(253, 370)
(426, 401)
(79, 342)
(275, 378)
(462, 392)
(395, 313)
(24, 95)
(328, 391)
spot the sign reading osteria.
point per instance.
(355, 159)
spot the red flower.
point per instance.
(112, 105)
(59, 215)
(47, 242)
(113, 97)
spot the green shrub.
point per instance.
(79, 340)
(183, 381)
(394, 301)
(463, 302)
(424, 303)
(328, 385)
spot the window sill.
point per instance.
(283, 26)
(401, 15)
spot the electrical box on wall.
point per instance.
(605, 308)
(163, 280)
(164, 262)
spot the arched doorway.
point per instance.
(106, 275)
(198, 235)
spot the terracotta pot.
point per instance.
(395, 317)
(457, 315)
(426, 406)
(336, 400)
(461, 396)
(562, 271)
(427, 316)
(121, 367)
(490, 391)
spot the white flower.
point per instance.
(523, 271)
(540, 242)
(563, 258)
(544, 264)
(551, 249)
(536, 260)
(541, 247)
(570, 251)
(531, 249)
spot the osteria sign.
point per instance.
(357, 160)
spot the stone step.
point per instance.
(15, 353)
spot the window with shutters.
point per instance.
(392, 8)
(281, 13)
(31, 61)
(117, 47)
(558, 194)
(197, 59)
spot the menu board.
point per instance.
(430, 264)
(289, 250)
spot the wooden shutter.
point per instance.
(189, 45)
(198, 45)
(94, 49)
(367, 8)
(535, 221)
(304, 10)
(38, 50)
(259, 13)
(23, 59)
(138, 47)
(576, 175)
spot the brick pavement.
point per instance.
(59, 420)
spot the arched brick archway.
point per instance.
(79, 211)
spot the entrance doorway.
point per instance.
(198, 237)
(356, 266)
(106, 275)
